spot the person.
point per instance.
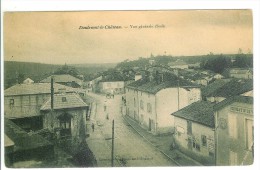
(93, 127)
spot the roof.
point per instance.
(63, 78)
(230, 88)
(238, 71)
(35, 88)
(240, 99)
(201, 112)
(8, 141)
(211, 88)
(153, 86)
(21, 139)
(64, 101)
(28, 80)
(115, 76)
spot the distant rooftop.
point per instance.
(224, 88)
(35, 88)
(213, 87)
(238, 70)
(64, 101)
(169, 80)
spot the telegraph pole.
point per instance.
(112, 152)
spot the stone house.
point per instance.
(151, 101)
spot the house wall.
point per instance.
(131, 106)
(24, 105)
(147, 116)
(116, 87)
(206, 153)
(180, 66)
(162, 104)
(235, 128)
(247, 75)
(78, 121)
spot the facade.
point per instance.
(65, 79)
(94, 83)
(179, 64)
(22, 103)
(239, 73)
(195, 131)
(150, 102)
(235, 131)
(112, 87)
(68, 116)
(217, 134)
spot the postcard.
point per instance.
(151, 88)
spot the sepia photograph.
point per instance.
(149, 88)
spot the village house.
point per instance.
(225, 88)
(28, 81)
(66, 116)
(180, 64)
(114, 83)
(240, 73)
(216, 134)
(200, 77)
(150, 101)
(94, 83)
(65, 79)
(234, 131)
(22, 103)
(194, 131)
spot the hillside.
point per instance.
(39, 71)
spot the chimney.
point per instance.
(52, 93)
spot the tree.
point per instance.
(65, 69)
(20, 78)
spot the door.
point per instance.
(232, 158)
(249, 133)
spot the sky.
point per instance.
(55, 37)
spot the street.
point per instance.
(130, 149)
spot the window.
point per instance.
(64, 99)
(189, 127)
(249, 134)
(65, 124)
(233, 158)
(195, 144)
(204, 140)
(149, 107)
(141, 105)
(11, 102)
(232, 125)
(134, 102)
